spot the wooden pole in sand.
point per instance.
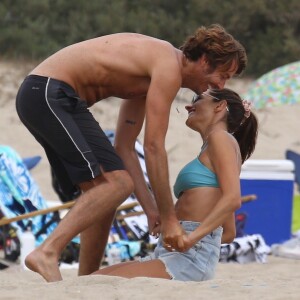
(69, 204)
(66, 205)
(249, 198)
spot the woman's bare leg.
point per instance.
(92, 245)
(152, 268)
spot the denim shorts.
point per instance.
(196, 264)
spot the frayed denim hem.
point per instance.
(167, 270)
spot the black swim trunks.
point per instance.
(75, 144)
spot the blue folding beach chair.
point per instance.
(295, 158)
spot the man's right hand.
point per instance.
(154, 224)
(172, 234)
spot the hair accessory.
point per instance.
(247, 107)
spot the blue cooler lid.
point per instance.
(268, 169)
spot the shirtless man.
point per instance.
(53, 104)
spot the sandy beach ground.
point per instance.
(277, 279)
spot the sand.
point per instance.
(277, 279)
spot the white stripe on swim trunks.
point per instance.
(46, 97)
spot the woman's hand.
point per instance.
(188, 242)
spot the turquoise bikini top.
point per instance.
(193, 175)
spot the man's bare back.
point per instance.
(117, 65)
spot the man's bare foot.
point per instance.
(45, 264)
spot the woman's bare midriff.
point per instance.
(195, 204)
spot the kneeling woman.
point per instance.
(208, 191)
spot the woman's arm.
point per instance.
(224, 160)
(229, 230)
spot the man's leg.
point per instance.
(93, 240)
(93, 206)
(92, 245)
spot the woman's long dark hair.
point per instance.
(244, 129)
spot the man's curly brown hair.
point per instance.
(219, 47)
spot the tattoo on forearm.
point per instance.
(130, 122)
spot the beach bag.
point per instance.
(9, 241)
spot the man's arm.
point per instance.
(165, 83)
(130, 122)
